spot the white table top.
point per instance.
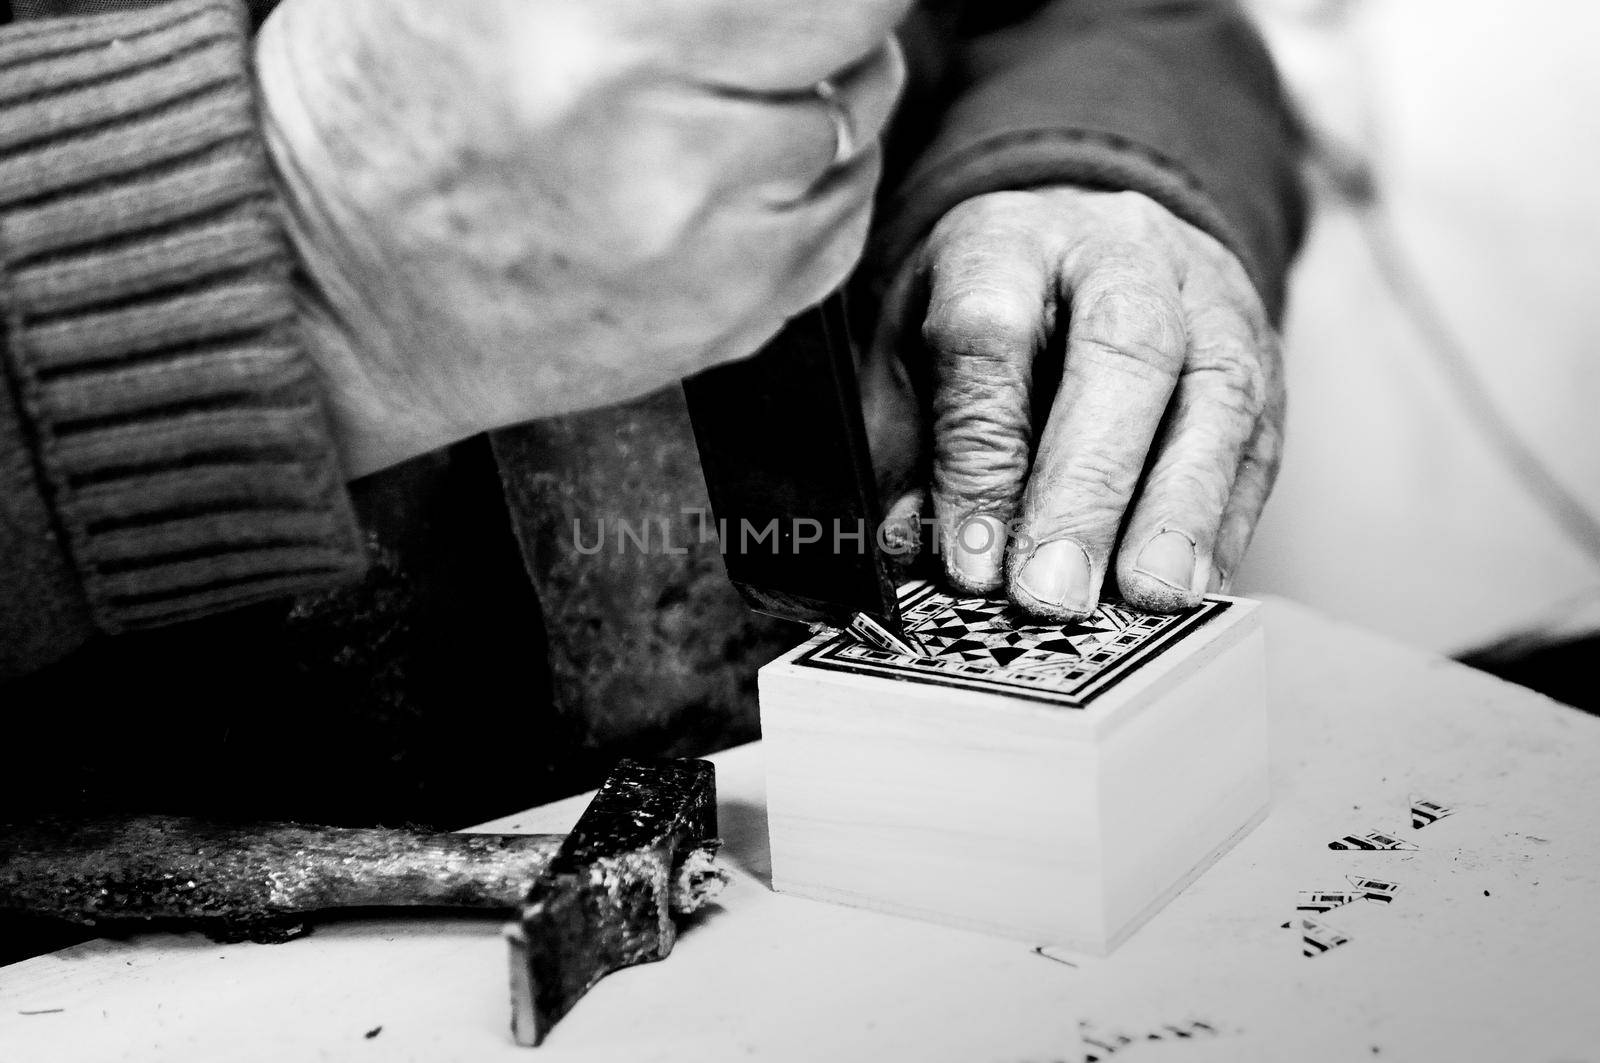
(1490, 950)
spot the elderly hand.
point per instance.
(1161, 440)
(508, 209)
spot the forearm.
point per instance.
(1178, 101)
(164, 449)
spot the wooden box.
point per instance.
(1057, 784)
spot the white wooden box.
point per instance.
(1054, 784)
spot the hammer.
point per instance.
(590, 902)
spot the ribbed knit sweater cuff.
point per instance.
(178, 432)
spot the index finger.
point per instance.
(991, 303)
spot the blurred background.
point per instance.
(1442, 478)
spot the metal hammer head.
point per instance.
(640, 854)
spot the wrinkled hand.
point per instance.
(508, 209)
(1162, 439)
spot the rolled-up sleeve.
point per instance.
(1177, 99)
(164, 450)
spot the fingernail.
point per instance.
(978, 552)
(1168, 558)
(1058, 575)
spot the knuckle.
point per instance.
(974, 396)
(1093, 478)
(959, 497)
(1100, 476)
(1235, 310)
(1192, 495)
(978, 214)
(977, 445)
(1132, 317)
(967, 481)
(1233, 367)
(1226, 321)
(1110, 260)
(1135, 214)
(983, 323)
(1238, 386)
(1094, 526)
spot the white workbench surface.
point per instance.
(1491, 950)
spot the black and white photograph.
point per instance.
(854, 531)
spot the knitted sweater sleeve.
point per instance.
(164, 452)
(1176, 99)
